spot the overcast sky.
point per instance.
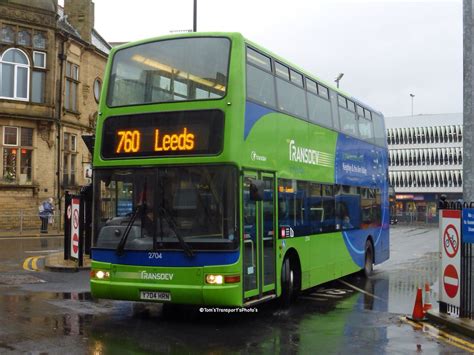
(386, 49)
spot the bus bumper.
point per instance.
(182, 285)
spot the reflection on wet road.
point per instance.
(352, 315)
(14, 250)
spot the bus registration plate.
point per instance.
(155, 295)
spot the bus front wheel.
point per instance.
(369, 259)
(288, 291)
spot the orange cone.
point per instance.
(418, 313)
(427, 305)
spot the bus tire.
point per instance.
(288, 290)
(369, 259)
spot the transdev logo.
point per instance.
(156, 276)
(310, 156)
(254, 156)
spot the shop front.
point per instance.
(421, 208)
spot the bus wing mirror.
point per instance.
(256, 190)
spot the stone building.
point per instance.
(51, 67)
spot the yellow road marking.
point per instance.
(26, 262)
(34, 263)
(441, 335)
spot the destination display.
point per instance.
(163, 134)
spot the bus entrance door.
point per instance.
(258, 234)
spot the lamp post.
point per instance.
(339, 77)
(195, 16)
(412, 96)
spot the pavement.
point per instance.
(56, 262)
(460, 325)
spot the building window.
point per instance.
(39, 59)
(38, 77)
(10, 136)
(14, 75)
(39, 40)
(7, 34)
(72, 82)
(97, 88)
(69, 159)
(23, 37)
(17, 153)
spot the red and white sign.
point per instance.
(75, 228)
(450, 241)
(75, 244)
(451, 281)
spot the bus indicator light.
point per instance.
(286, 232)
(232, 279)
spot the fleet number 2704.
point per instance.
(153, 255)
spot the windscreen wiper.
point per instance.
(123, 240)
(172, 224)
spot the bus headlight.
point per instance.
(215, 279)
(100, 274)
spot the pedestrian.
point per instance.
(46, 210)
(442, 203)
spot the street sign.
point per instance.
(451, 281)
(75, 243)
(468, 225)
(451, 241)
(75, 228)
(450, 271)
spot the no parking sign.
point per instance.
(450, 243)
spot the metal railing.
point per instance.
(26, 221)
(415, 218)
(466, 309)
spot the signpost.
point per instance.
(450, 238)
(74, 252)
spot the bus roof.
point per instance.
(252, 44)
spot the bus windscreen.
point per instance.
(171, 70)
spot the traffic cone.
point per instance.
(418, 308)
(427, 305)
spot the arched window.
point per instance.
(14, 75)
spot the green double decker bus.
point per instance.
(226, 176)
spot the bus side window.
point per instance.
(260, 86)
(316, 211)
(282, 208)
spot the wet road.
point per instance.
(45, 312)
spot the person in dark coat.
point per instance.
(46, 210)
(442, 203)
